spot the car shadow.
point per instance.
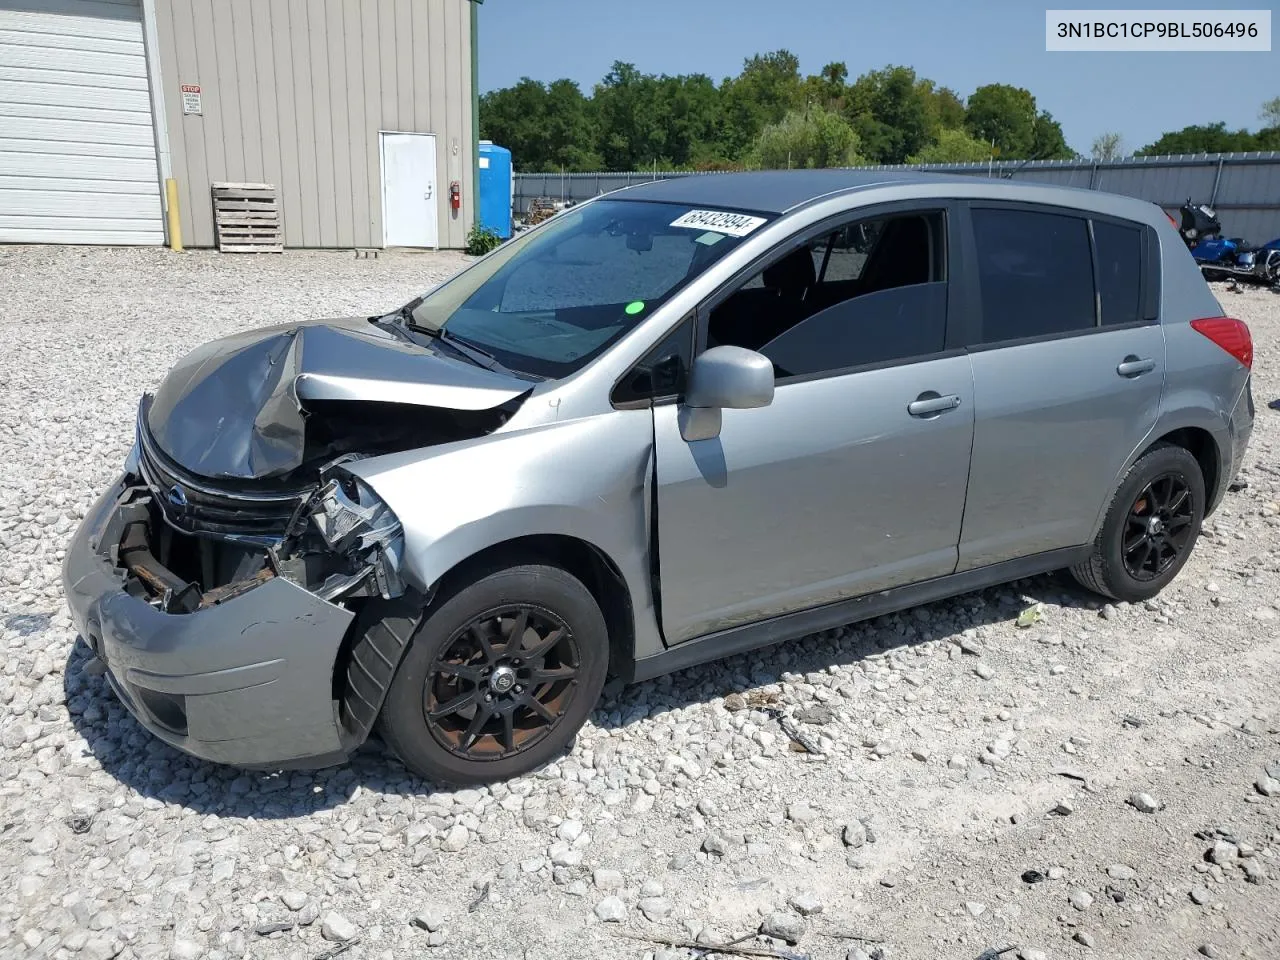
(159, 772)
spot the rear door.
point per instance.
(1068, 366)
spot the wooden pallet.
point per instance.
(246, 218)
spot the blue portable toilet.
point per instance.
(497, 188)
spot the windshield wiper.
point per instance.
(467, 349)
(483, 357)
(405, 313)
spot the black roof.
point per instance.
(770, 191)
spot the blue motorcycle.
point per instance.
(1220, 257)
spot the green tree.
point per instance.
(812, 138)
(953, 146)
(944, 106)
(890, 113)
(690, 110)
(1048, 141)
(510, 117)
(1004, 116)
(773, 80)
(1007, 116)
(569, 128)
(544, 127)
(768, 86)
(827, 88)
(663, 120)
(633, 131)
(1201, 138)
(634, 120)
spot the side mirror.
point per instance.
(725, 377)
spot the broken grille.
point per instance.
(193, 505)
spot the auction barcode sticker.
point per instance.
(733, 224)
(1138, 31)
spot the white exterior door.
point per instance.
(409, 194)
(77, 145)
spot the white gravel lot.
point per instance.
(960, 751)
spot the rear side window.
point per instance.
(1036, 274)
(1119, 272)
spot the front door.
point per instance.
(409, 202)
(853, 479)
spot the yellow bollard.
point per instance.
(171, 205)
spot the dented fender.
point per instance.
(457, 500)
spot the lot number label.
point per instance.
(734, 224)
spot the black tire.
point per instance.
(443, 747)
(1106, 571)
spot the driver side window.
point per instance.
(869, 291)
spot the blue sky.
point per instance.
(960, 45)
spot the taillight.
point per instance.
(1231, 335)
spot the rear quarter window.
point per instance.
(1119, 251)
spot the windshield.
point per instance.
(550, 301)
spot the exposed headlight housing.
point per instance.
(354, 523)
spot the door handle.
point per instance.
(930, 404)
(427, 195)
(1133, 366)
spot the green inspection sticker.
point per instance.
(634, 307)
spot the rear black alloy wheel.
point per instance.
(503, 670)
(1150, 528)
(502, 683)
(1159, 527)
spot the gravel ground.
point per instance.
(1099, 783)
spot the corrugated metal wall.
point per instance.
(77, 146)
(295, 92)
(1244, 187)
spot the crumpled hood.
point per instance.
(235, 407)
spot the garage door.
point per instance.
(77, 148)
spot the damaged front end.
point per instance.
(243, 592)
(238, 459)
(189, 545)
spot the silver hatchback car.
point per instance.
(671, 424)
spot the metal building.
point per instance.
(78, 161)
(361, 113)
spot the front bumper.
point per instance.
(248, 682)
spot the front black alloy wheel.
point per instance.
(502, 682)
(498, 677)
(1150, 528)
